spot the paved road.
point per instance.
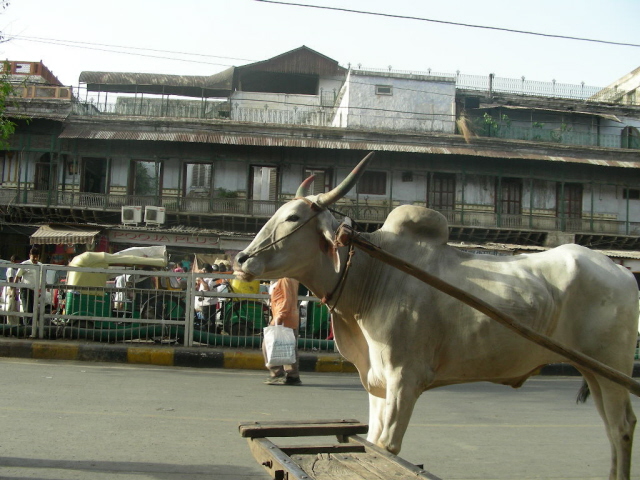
(69, 420)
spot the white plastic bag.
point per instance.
(280, 345)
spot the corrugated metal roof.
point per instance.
(631, 254)
(266, 140)
(186, 85)
(302, 60)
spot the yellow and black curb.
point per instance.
(195, 357)
(162, 355)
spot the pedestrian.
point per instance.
(10, 293)
(284, 309)
(207, 304)
(29, 277)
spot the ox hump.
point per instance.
(421, 224)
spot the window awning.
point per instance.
(53, 234)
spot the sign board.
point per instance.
(163, 238)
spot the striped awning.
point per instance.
(53, 234)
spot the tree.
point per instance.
(7, 89)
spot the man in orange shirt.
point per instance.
(284, 307)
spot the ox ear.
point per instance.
(327, 240)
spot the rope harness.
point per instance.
(341, 281)
(313, 206)
(343, 275)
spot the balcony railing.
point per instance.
(357, 210)
(565, 137)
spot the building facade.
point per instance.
(201, 163)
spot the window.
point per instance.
(441, 191)
(569, 203)
(631, 194)
(46, 174)
(197, 179)
(145, 177)
(94, 175)
(509, 196)
(264, 183)
(373, 183)
(630, 138)
(384, 90)
(10, 167)
(321, 182)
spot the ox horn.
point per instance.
(303, 189)
(329, 198)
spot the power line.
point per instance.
(130, 47)
(66, 43)
(444, 22)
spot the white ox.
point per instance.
(405, 337)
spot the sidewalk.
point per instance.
(195, 357)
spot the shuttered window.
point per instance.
(373, 183)
(264, 183)
(510, 196)
(569, 203)
(321, 182)
(442, 191)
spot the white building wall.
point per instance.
(230, 176)
(281, 108)
(119, 171)
(342, 112)
(330, 85)
(408, 192)
(417, 104)
(171, 174)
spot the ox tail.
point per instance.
(583, 393)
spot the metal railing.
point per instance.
(147, 307)
(557, 135)
(523, 86)
(357, 209)
(586, 224)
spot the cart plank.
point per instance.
(357, 459)
(275, 462)
(302, 429)
(324, 467)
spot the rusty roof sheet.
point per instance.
(630, 254)
(218, 85)
(301, 60)
(275, 140)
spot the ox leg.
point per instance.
(402, 395)
(377, 407)
(614, 405)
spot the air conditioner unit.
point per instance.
(154, 215)
(131, 215)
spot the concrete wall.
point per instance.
(417, 104)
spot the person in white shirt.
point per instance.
(29, 277)
(207, 304)
(9, 294)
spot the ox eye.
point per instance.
(293, 218)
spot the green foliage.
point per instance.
(537, 126)
(7, 127)
(224, 193)
(146, 178)
(556, 135)
(491, 127)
